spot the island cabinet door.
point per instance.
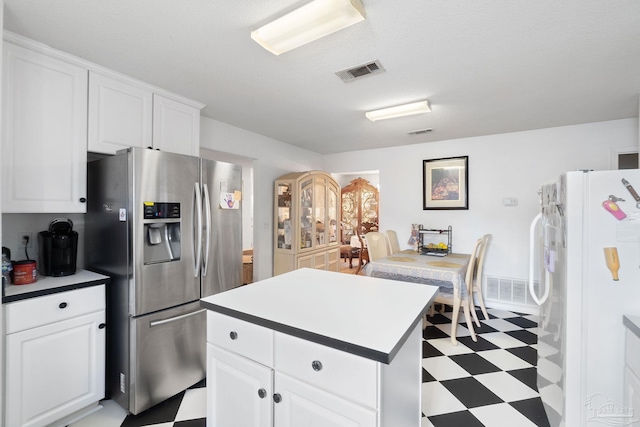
(300, 404)
(239, 391)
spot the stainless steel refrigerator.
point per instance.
(584, 291)
(167, 229)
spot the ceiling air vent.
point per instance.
(363, 70)
(419, 132)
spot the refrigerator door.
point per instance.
(580, 333)
(168, 354)
(552, 342)
(222, 233)
(163, 243)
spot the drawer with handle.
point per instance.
(338, 372)
(44, 310)
(241, 337)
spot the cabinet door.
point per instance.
(176, 126)
(44, 144)
(306, 261)
(300, 404)
(239, 391)
(631, 392)
(119, 115)
(54, 370)
(333, 259)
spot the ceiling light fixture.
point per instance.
(419, 107)
(308, 23)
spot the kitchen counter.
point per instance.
(632, 323)
(347, 346)
(365, 316)
(46, 285)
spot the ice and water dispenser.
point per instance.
(161, 232)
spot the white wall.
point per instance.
(507, 165)
(271, 159)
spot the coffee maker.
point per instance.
(58, 248)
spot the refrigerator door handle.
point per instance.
(532, 244)
(197, 232)
(207, 229)
(176, 318)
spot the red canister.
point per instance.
(24, 272)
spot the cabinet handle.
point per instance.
(63, 305)
(277, 398)
(233, 335)
(83, 200)
(102, 326)
(262, 393)
(316, 365)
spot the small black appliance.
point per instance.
(58, 248)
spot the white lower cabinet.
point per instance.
(300, 404)
(299, 383)
(55, 357)
(632, 377)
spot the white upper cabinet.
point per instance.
(120, 115)
(176, 126)
(44, 141)
(124, 114)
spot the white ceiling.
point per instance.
(487, 67)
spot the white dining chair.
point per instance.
(394, 244)
(376, 245)
(476, 284)
(459, 298)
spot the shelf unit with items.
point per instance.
(431, 241)
(306, 216)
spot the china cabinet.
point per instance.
(306, 219)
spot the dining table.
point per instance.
(447, 272)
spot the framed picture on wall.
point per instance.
(446, 183)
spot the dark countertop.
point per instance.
(46, 285)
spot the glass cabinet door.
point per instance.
(283, 230)
(320, 211)
(332, 214)
(306, 214)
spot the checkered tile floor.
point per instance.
(491, 382)
(488, 383)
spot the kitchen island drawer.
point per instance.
(244, 338)
(39, 311)
(338, 372)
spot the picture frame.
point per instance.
(445, 183)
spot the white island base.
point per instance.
(316, 348)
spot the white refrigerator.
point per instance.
(581, 337)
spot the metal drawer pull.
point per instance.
(233, 335)
(277, 398)
(316, 365)
(262, 393)
(173, 319)
(63, 305)
(102, 326)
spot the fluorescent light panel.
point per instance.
(310, 22)
(419, 107)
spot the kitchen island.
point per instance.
(313, 347)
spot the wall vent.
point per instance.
(350, 74)
(419, 132)
(513, 294)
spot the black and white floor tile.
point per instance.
(490, 383)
